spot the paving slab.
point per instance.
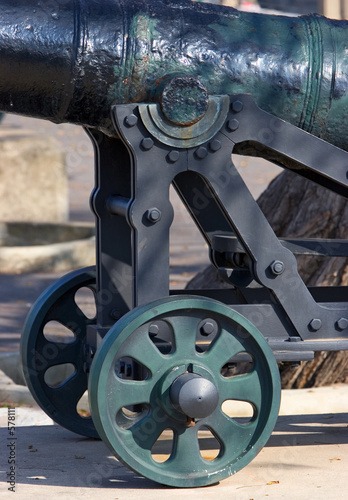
(306, 457)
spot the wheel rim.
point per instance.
(40, 354)
(133, 437)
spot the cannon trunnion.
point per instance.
(168, 109)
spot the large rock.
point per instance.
(33, 180)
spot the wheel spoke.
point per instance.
(67, 312)
(186, 456)
(128, 392)
(144, 434)
(185, 328)
(242, 388)
(68, 394)
(145, 352)
(55, 353)
(222, 350)
(234, 437)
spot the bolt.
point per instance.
(237, 106)
(207, 328)
(173, 156)
(232, 125)
(277, 267)
(315, 324)
(215, 145)
(153, 330)
(115, 314)
(342, 323)
(153, 215)
(147, 143)
(201, 152)
(131, 120)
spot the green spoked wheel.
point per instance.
(53, 351)
(179, 389)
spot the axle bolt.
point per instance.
(194, 395)
(153, 215)
(131, 120)
(277, 267)
(342, 324)
(232, 125)
(237, 106)
(147, 143)
(315, 324)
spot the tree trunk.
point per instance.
(296, 207)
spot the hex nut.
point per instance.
(201, 152)
(215, 145)
(315, 324)
(131, 120)
(342, 323)
(237, 106)
(233, 125)
(147, 143)
(277, 267)
(153, 215)
(207, 328)
(173, 156)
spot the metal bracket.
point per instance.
(131, 202)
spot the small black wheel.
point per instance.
(64, 350)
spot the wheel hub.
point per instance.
(194, 396)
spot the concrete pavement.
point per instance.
(306, 457)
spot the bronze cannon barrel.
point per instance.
(70, 60)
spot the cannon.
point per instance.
(167, 91)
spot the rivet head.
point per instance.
(201, 152)
(173, 156)
(237, 106)
(153, 215)
(215, 145)
(277, 267)
(342, 323)
(147, 143)
(232, 125)
(131, 120)
(315, 324)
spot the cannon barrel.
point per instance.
(70, 60)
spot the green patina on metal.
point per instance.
(132, 438)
